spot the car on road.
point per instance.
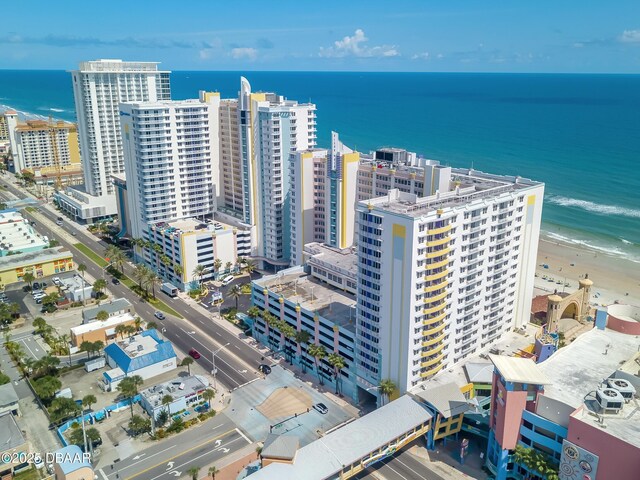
(227, 280)
(194, 353)
(159, 315)
(266, 369)
(321, 407)
(115, 281)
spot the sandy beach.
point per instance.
(614, 278)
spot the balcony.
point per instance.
(438, 242)
(438, 253)
(434, 320)
(432, 371)
(437, 308)
(435, 298)
(434, 330)
(437, 286)
(433, 340)
(432, 361)
(436, 265)
(436, 276)
(438, 231)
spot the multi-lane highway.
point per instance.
(236, 363)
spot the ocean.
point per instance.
(580, 134)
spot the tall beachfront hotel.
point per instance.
(98, 88)
(270, 128)
(443, 275)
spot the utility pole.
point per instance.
(214, 370)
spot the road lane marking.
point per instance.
(243, 435)
(103, 475)
(164, 462)
(30, 351)
(147, 458)
(407, 466)
(396, 472)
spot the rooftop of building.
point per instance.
(8, 395)
(346, 445)
(344, 260)
(71, 459)
(176, 388)
(109, 323)
(297, 286)
(467, 186)
(191, 225)
(281, 447)
(116, 65)
(140, 350)
(30, 258)
(16, 232)
(35, 125)
(519, 370)
(10, 434)
(446, 398)
(111, 307)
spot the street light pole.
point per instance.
(214, 370)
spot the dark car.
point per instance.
(35, 286)
(115, 281)
(321, 407)
(266, 369)
(194, 353)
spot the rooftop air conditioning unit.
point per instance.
(609, 399)
(623, 386)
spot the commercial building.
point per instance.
(144, 354)
(12, 443)
(104, 331)
(49, 150)
(443, 276)
(271, 128)
(70, 463)
(171, 159)
(579, 408)
(185, 392)
(99, 87)
(4, 126)
(17, 235)
(323, 196)
(115, 307)
(41, 264)
(9, 400)
(189, 242)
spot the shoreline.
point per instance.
(615, 279)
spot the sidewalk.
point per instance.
(442, 461)
(230, 466)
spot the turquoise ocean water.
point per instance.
(580, 134)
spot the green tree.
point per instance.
(254, 312)
(102, 315)
(140, 273)
(386, 387)
(235, 292)
(303, 337)
(199, 272)
(4, 379)
(338, 363)
(87, 346)
(116, 257)
(40, 325)
(289, 334)
(152, 280)
(193, 471)
(535, 462)
(137, 322)
(50, 301)
(82, 268)
(128, 387)
(178, 270)
(217, 265)
(46, 387)
(208, 395)
(47, 365)
(250, 267)
(187, 362)
(162, 418)
(213, 471)
(228, 266)
(29, 278)
(138, 425)
(98, 287)
(76, 437)
(89, 400)
(318, 352)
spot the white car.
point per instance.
(227, 280)
(56, 281)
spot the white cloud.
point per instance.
(244, 52)
(420, 56)
(356, 46)
(630, 36)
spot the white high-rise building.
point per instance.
(323, 197)
(271, 128)
(442, 276)
(98, 88)
(171, 159)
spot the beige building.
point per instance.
(232, 196)
(70, 463)
(104, 331)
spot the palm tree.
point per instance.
(318, 352)
(29, 278)
(213, 470)
(137, 322)
(387, 387)
(166, 401)
(235, 292)
(177, 269)
(193, 471)
(139, 273)
(89, 400)
(152, 280)
(250, 267)
(254, 312)
(289, 333)
(128, 386)
(208, 395)
(116, 257)
(186, 362)
(102, 315)
(120, 330)
(199, 272)
(217, 264)
(301, 337)
(98, 286)
(228, 266)
(338, 363)
(82, 268)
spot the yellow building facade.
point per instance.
(41, 264)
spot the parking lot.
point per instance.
(244, 302)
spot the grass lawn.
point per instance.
(30, 209)
(29, 474)
(126, 281)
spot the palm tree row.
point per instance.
(146, 278)
(115, 257)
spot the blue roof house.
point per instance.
(144, 354)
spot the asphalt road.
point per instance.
(402, 466)
(199, 446)
(236, 363)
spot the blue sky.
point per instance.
(466, 36)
